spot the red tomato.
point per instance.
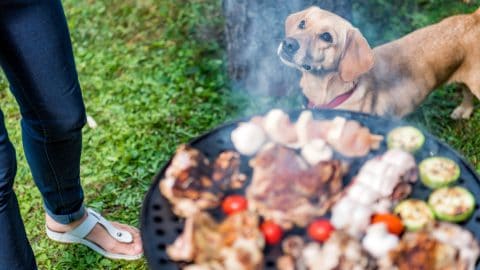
(272, 232)
(233, 204)
(393, 222)
(320, 230)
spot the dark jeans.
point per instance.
(36, 56)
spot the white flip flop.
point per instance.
(78, 235)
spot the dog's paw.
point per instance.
(461, 113)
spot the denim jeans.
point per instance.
(36, 56)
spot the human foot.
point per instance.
(99, 235)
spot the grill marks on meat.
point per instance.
(416, 252)
(444, 246)
(192, 183)
(226, 171)
(191, 171)
(287, 190)
(236, 243)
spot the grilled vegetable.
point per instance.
(437, 172)
(393, 222)
(407, 138)
(454, 204)
(415, 214)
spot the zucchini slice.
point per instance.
(437, 172)
(407, 138)
(454, 204)
(415, 214)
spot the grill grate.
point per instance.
(160, 227)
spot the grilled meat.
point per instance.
(286, 189)
(444, 246)
(192, 183)
(340, 252)
(347, 137)
(380, 181)
(226, 171)
(236, 243)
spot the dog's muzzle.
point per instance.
(289, 47)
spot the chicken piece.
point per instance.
(419, 251)
(236, 243)
(191, 171)
(285, 189)
(182, 249)
(226, 171)
(444, 246)
(347, 137)
(461, 239)
(351, 216)
(339, 252)
(379, 182)
(192, 183)
(248, 138)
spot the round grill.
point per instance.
(160, 227)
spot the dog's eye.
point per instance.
(301, 25)
(327, 37)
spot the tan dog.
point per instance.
(339, 70)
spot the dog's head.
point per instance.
(321, 42)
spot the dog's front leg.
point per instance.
(465, 109)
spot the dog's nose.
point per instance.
(290, 45)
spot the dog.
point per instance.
(340, 70)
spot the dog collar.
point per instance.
(337, 101)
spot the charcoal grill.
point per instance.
(160, 227)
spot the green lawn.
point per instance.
(153, 77)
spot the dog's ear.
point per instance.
(357, 58)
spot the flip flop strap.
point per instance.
(92, 219)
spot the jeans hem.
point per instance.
(68, 218)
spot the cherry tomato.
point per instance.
(272, 232)
(393, 222)
(320, 230)
(233, 204)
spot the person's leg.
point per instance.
(15, 251)
(36, 55)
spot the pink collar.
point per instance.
(337, 101)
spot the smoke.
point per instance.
(254, 30)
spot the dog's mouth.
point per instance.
(288, 58)
(287, 51)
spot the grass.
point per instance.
(152, 74)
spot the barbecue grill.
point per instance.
(160, 227)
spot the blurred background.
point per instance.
(156, 73)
